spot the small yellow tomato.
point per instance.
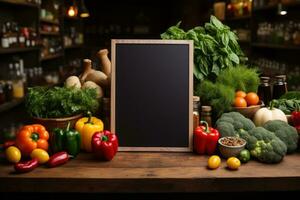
(233, 163)
(214, 162)
(40, 154)
(13, 154)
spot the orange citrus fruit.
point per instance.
(240, 102)
(252, 99)
(240, 94)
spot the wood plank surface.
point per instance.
(153, 172)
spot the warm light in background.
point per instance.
(83, 10)
(72, 11)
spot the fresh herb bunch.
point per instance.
(220, 94)
(240, 78)
(217, 95)
(215, 47)
(60, 102)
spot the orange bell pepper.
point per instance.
(31, 137)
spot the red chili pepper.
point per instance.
(57, 159)
(27, 166)
(105, 145)
(205, 139)
(296, 117)
(8, 144)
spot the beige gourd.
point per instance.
(90, 74)
(92, 85)
(266, 114)
(105, 62)
(73, 81)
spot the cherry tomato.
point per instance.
(214, 162)
(233, 163)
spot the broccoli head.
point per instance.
(265, 146)
(233, 124)
(285, 132)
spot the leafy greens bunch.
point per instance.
(60, 102)
(215, 47)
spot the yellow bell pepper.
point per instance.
(87, 126)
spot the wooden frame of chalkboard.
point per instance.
(124, 91)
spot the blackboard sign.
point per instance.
(151, 94)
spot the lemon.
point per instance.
(41, 155)
(13, 154)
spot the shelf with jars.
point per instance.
(279, 35)
(15, 37)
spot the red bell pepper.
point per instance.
(105, 145)
(205, 139)
(296, 117)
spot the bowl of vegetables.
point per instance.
(249, 111)
(58, 106)
(247, 103)
(231, 146)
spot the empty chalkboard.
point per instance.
(151, 94)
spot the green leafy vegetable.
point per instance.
(286, 105)
(215, 47)
(219, 96)
(59, 102)
(291, 95)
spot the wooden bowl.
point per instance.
(51, 123)
(249, 111)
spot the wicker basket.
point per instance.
(51, 123)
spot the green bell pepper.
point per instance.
(65, 140)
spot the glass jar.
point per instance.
(280, 86)
(206, 115)
(264, 90)
(196, 115)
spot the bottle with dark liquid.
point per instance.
(280, 86)
(264, 90)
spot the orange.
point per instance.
(240, 102)
(240, 94)
(252, 99)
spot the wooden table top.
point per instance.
(153, 172)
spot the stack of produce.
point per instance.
(268, 143)
(218, 64)
(34, 145)
(91, 78)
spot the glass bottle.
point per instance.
(18, 85)
(280, 86)
(264, 90)
(4, 37)
(196, 115)
(206, 114)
